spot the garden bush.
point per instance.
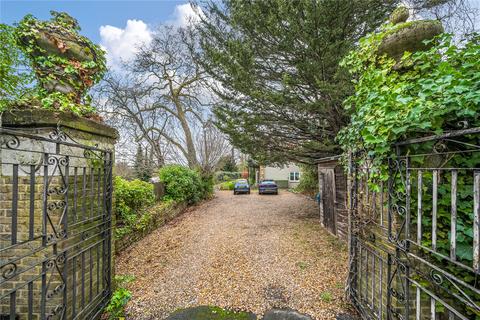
(132, 196)
(227, 185)
(131, 200)
(185, 185)
(222, 176)
(309, 182)
(207, 184)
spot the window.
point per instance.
(294, 176)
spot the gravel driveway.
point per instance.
(244, 252)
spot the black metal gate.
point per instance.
(55, 212)
(415, 249)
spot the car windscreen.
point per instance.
(268, 182)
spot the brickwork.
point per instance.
(55, 209)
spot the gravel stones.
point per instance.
(246, 253)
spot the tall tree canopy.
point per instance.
(275, 66)
(276, 72)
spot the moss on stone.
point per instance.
(399, 15)
(210, 313)
(47, 118)
(409, 36)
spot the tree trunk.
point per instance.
(191, 152)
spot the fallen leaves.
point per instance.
(242, 253)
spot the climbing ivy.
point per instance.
(66, 64)
(425, 93)
(14, 73)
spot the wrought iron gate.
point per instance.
(415, 248)
(55, 212)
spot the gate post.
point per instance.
(55, 214)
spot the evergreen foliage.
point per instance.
(229, 164)
(185, 185)
(308, 179)
(277, 61)
(143, 164)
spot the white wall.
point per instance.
(282, 173)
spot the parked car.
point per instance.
(267, 186)
(241, 186)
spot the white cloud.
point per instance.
(122, 44)
(185, 14)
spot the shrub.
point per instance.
(309, 182)
(184, 184)
(222, 176)
(229, 185)
(131, 200)
(131, 197)
(207, 185)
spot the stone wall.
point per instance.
(161, 214)
(55, 215)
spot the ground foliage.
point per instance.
(77, 64)
(277, 62)
(120, 297)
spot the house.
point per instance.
(286, 176)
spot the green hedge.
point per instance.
(227, 185)
(135, 209)
(223, 176)
(131, 197)
(185, 185)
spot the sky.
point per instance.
(119, 26)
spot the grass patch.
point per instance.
(302, 265)
(326, 296)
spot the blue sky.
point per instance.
(92, 14)
(119, 26)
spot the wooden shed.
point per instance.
(332, 183)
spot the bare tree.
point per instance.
(458, 16)
(212, 147)
(161, 99)
(123, 104)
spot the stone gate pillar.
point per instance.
(55, 215)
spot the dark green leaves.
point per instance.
(278, 65)
(440, 87)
